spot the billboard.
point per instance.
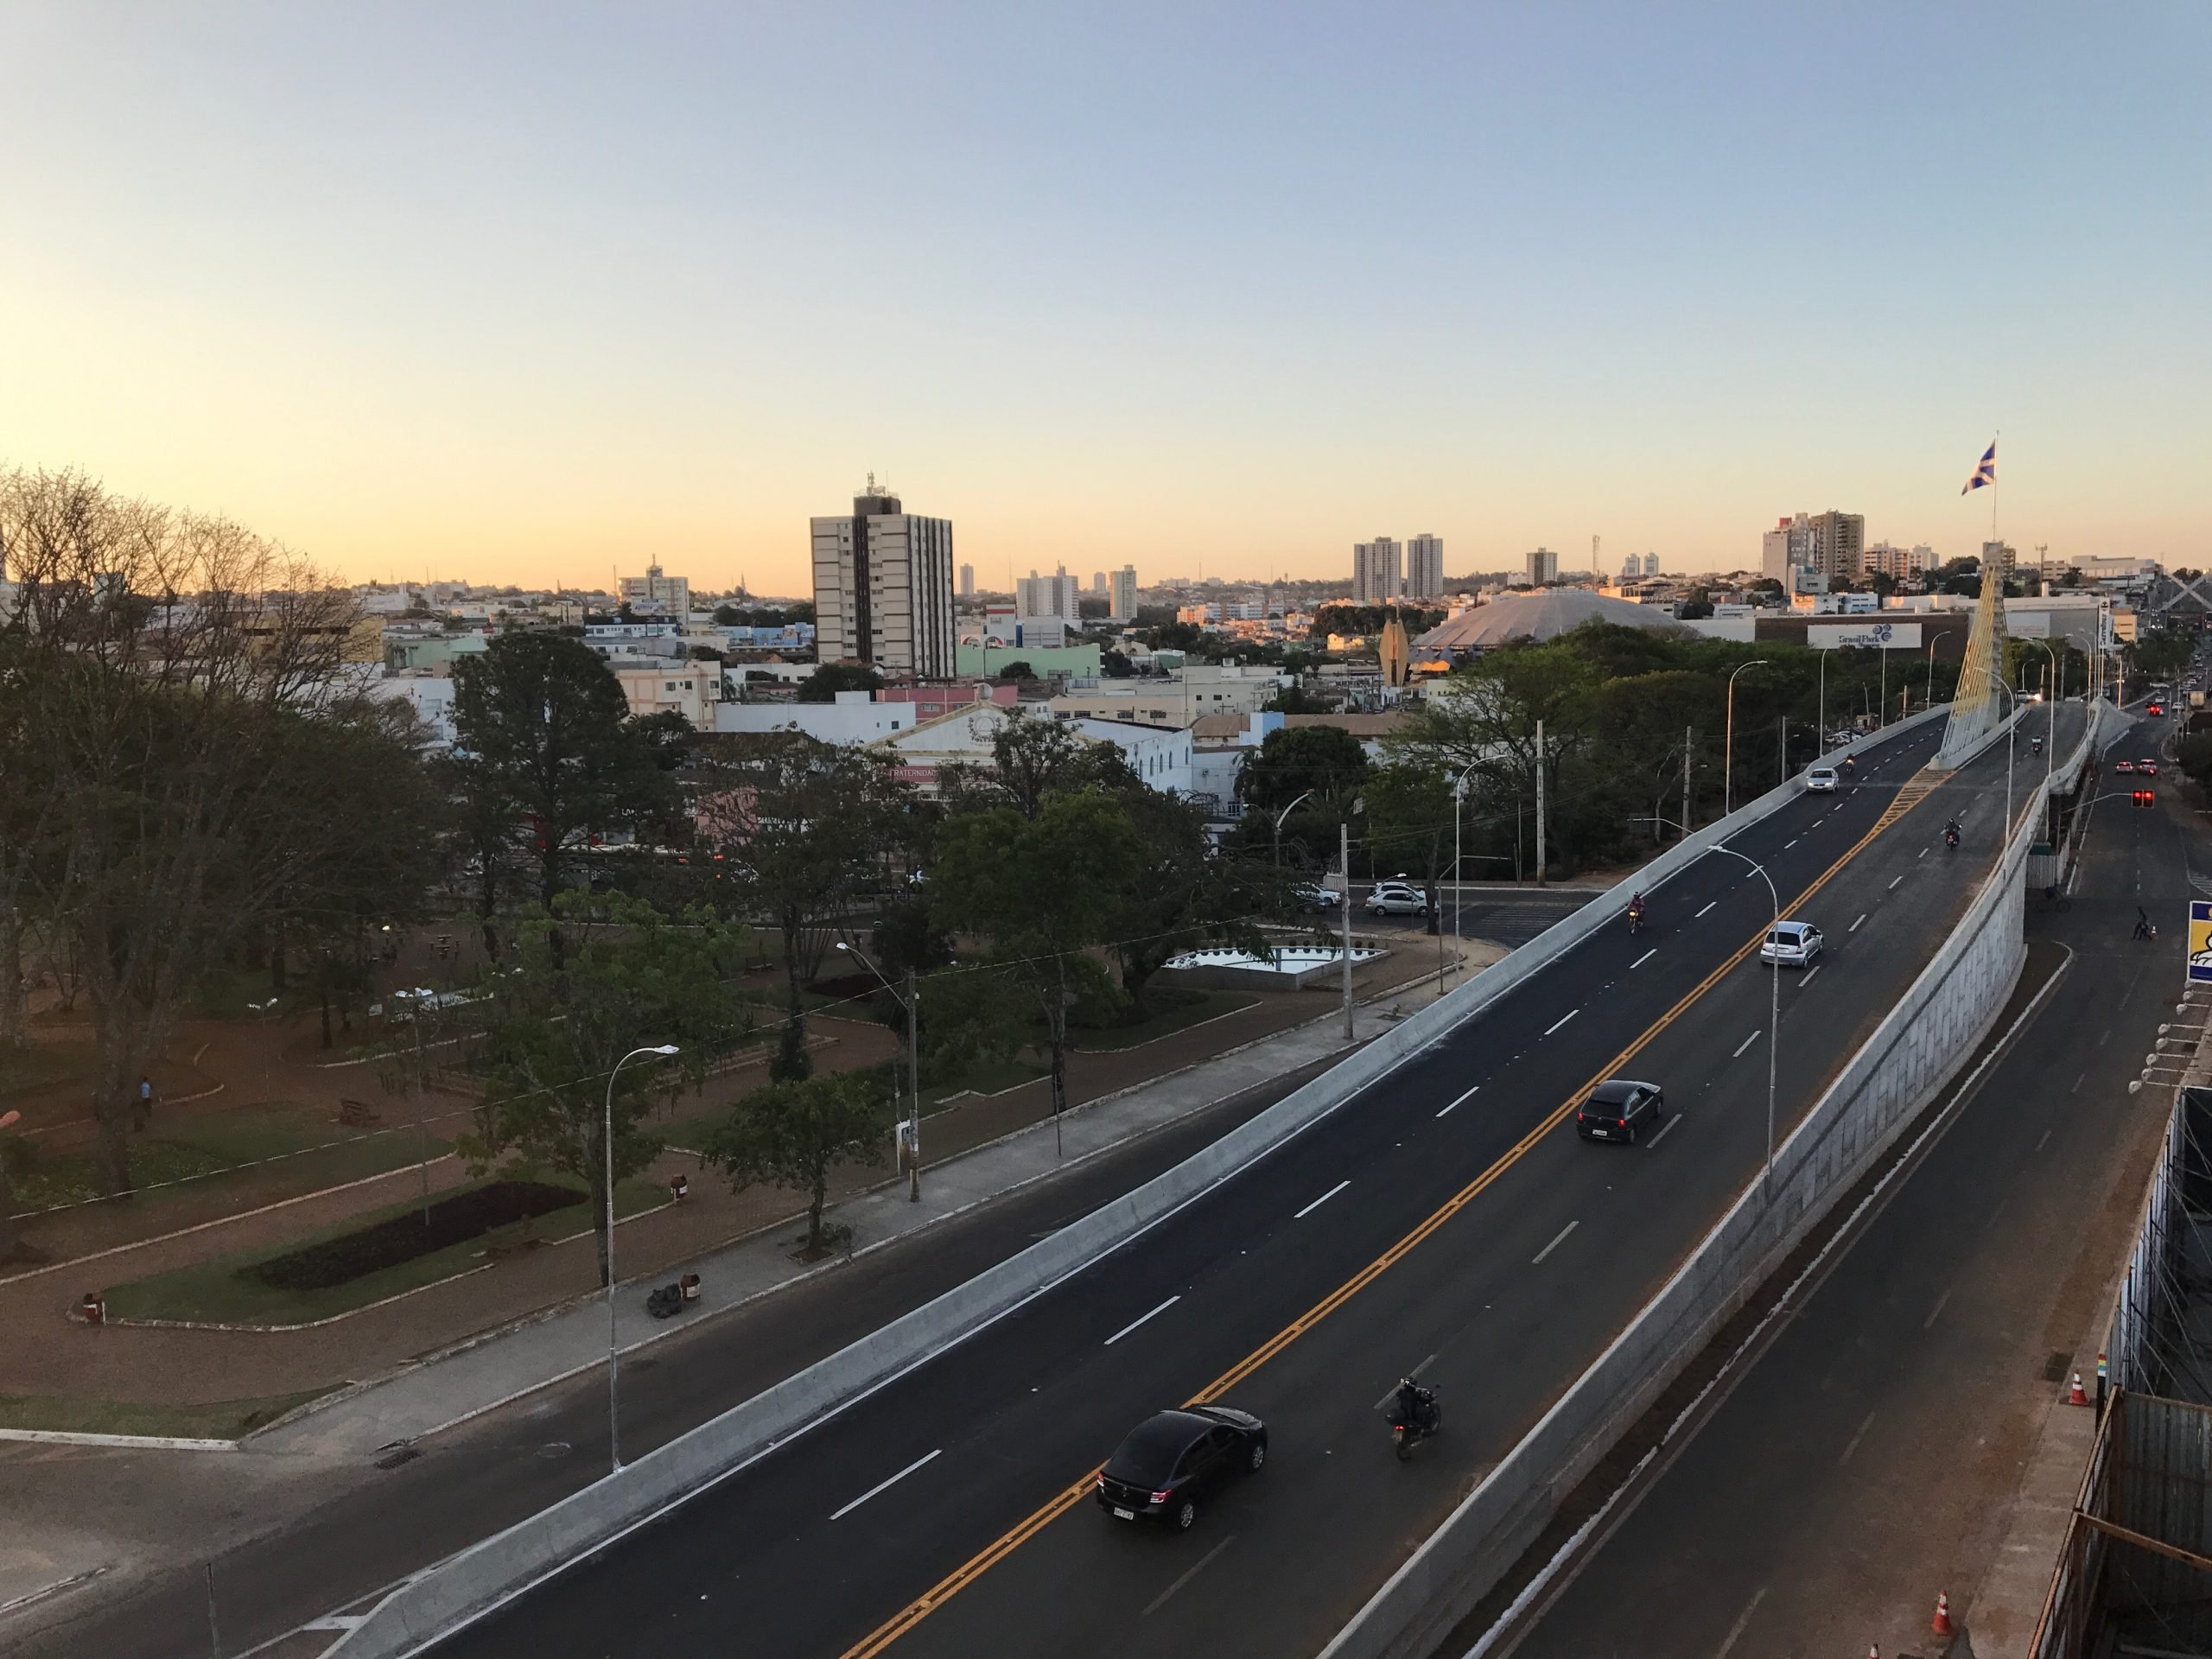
(2028, 627)
(1863, 636)
(2200, 941)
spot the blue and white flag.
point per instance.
(1985, 474)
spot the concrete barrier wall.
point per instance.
(413, 1616)
(1921, 1044)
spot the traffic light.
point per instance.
(2146, 796)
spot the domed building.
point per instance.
(1543, 613)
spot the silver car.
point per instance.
(1793, 945)
(1396, 899)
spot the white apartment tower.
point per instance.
(1123, 604)
(883, 588)
(967, 581)
(1058, 595)
(1544, 567)
(655, 595)
(1425, 567)
(1374, 571)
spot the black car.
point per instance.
(1174, 1459)
(1620, 1109)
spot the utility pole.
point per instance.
(1689, 738)
(1343, 857)
(1540, 803)
(1781, 751)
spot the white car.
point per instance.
(1311, 895)
(1793, 945)
(1396, 899)
(1822, 780)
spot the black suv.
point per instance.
(1620, 1109)
(1175, 1457)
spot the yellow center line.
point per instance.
(920, 1609)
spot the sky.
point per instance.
(527, 293)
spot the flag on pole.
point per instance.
(1986, 472)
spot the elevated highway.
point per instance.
(1448, 1222)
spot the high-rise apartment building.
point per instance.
(1123, 602)
(654, 595)
(1058, 595)
(1376, 576)
(967, 581)
(1900, 563)
(883, 588)
(1651, 565)
(1831, 544)
(1425, 567)
(1098, 582)
(1544, 567)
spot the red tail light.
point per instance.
(1161, 1497)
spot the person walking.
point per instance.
(2142, 928)
(145, 1103)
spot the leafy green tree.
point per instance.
(548, 746)
(1327, 760)
(588, 983)
(1041, 894)
(809, 827)
(794, 1133)
(1409, 826)
(826, 681)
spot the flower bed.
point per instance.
(402, 1238)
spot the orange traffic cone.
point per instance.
(2075, 1396)
(1943, 1624)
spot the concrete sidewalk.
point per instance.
(502, 1365)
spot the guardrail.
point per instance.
(1912, 1054)
(484, 1576)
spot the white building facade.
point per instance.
(1376, 574)
(1425, 567)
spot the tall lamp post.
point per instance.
(1458, 798)
(1728, 763)
(910, 1132)
(1280, 816)
(1774, 1003)
(614, 1354)
(1821, 748)
(2050, 719)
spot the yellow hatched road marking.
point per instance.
(1909, 795)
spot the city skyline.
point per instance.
(437, 297)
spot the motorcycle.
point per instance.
(1951, 838)
(1408, 1430)
(1634, 921)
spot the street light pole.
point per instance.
(1821, 748)
(1728, 762)
(910, 1133)
(1458, 798)
(1280, 816)
(613, 1353)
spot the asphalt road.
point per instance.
(978, 1463)
(1867, 1461)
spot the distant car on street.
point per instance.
(1822, 780)
(1174, 1459)
(1396, 899)
(2123, 766)
(1620, 1109)
(1311, 895)
(1793, 944)
(2148, 768)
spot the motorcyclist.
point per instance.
(1951, 832)
(1636, 913)
(1416, 1406)
(1850, 764)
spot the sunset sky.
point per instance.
(526, 293)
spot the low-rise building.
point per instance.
(689, 689)
(1160, 755)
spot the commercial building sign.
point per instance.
(2028, 627)
(1863, 636)
(2200, 941)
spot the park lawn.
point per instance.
(986, 1077)
(219, 1420)
(202, 1146)
(46, 1063)
(217, 1292)
(1172, 1011)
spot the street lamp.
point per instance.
(1280, 816)
(1774, 1001)
(2050, 719)
(910, 1135)
(614, 1354)
(1728, 765)
(1458, 798)
(1821, 748)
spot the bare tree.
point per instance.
(160, 664)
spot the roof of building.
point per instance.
(1379, 724)
(1543, 615)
